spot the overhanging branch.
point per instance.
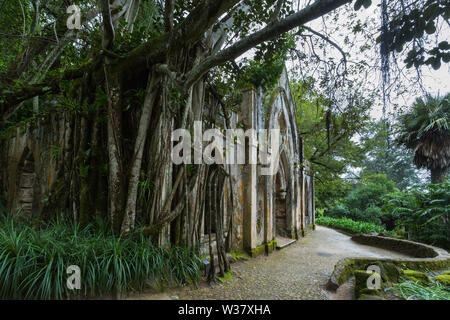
(153, 51)
(271, 31)
(334, 44)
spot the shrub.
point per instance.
(350, 225)
(371, 214)
(338, 211)
(365, 201)
(370, 193)
(33, 263)
(424, 211)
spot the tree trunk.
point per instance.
(130, 211)
(82, 171)
(438, 175)
(115, 152)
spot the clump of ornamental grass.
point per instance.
(34, 262)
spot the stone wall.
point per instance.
(423, 257)
(280, 205)
(34, 154)
(30, 157)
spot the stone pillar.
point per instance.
(268, 214)
(303, 201)
(313, 201)
(298, 199)
(250, 207)
(249, 183)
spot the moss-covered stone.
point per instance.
(417, 276)
(443, 279)
(263, 248)
(390, 272)
(258, 250)
(423, 265)
(368, 291)
(344, 268)
(361, 282)
(271, 246)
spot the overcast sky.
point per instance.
(434, 81)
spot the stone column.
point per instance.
(313, 201)
(298, 199)
(249, 183)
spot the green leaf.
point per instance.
(358, 4)
(367, 3)
(430, 28)
(436, 64)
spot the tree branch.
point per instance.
(108, 28)
(334, 44)
(153, 51)
(168, 15)
(309, 13)
(276, 13)
(165, 216)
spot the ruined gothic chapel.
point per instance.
(258, 213)
(270, 211)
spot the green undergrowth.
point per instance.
(415, 290)
(227, 276)
(351, 226)
(33, 263)
(239, 255)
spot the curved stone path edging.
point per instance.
(300, 271)
(422, 257)
(414, 249)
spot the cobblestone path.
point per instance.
(299, 271)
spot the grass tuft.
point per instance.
(33, 263)
(411, 290)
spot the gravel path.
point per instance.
(299, 271)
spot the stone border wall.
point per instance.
(423, 257)
(411, 248)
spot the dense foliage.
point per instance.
(364, 202)
(389, 191)
(327, 132)
(421, 213)
(33, 262)
(425, 128)
(424, 211)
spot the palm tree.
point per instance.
(425, 129)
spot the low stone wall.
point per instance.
(411, 248)
(423, 257)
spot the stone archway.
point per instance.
(282, 196)
(308, 202)
(307, 220)
(26, 202)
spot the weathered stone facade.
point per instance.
(269, 209)
(29, 160)
(258, 210)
